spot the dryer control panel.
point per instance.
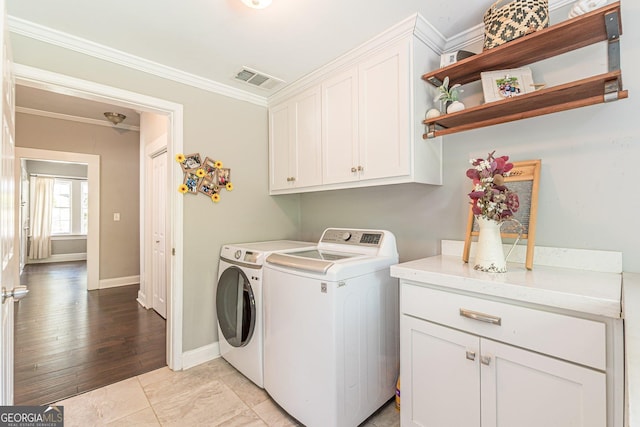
(371, 238)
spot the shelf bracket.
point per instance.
(611, 89)
(612, 25)
(435, 81)
(430, 131)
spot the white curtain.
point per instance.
(41, 218)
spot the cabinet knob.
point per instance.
(485, 360)
(291, 179)
(360, 168)
(354, 170)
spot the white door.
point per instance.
(9, 250)
(158, 233)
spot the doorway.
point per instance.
(93, 179)
(49, 81)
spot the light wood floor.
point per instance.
(69, 340)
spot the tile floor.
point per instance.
(211, 394)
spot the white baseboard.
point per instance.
(142, 299)
(118, 281)
(59, 258)
(200, 355)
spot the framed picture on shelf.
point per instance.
(504, 84)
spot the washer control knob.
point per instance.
(237, 254)
(346, 236)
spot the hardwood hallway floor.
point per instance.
(69, 340)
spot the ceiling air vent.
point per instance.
(258, 79)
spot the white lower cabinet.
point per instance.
(460, 377)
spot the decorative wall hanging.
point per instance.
(205, 177)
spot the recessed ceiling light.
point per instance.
(257, 4)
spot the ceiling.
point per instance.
(213, 39)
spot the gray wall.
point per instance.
(228, 129)
(119, 181)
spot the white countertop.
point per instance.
(590, 292)
(631, 310)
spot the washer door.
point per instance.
(236, 306)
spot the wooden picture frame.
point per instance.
(524, 179)
(191, 161)
(191, 180)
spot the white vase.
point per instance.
(489, 253)
(455, 106)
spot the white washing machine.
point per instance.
(331, 347)
(239, 303)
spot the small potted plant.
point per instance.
(449, 97)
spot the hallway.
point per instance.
(69, 341)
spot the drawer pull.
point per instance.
(475, 315)
(471, 355)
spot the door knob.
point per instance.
(17, 293)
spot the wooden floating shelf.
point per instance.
(580, 93)
(603, 24)
(566, 36)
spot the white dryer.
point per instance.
(239, 303)
(331, 349)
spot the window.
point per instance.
(61, 212)
(70, 210)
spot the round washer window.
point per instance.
(236, 307)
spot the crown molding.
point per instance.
(86, 47)
(71, 118)
(416, 24)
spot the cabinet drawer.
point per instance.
(574, 339)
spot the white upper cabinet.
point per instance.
(294, 132)
(385, 117)
(340, 154)
(371, 105)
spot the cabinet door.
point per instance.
(526, 389)
(280, 146)
(340, 128)
(385, 118)
(307, 169)
(294, 142)
(439, 375)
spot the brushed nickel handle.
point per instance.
(471, 355)
(17, 293)
(481, 317)
(485, 360)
